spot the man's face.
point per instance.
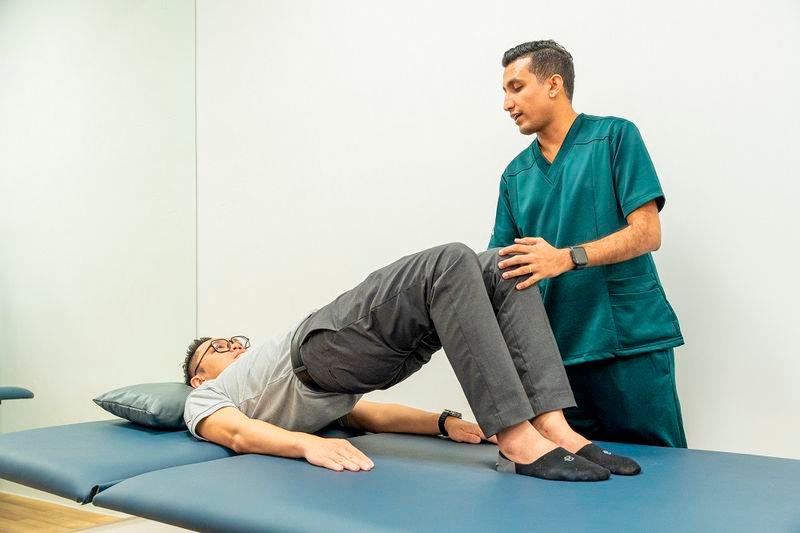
(526, 100)
(214, 362)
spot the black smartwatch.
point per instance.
(579, 257)
(443, 417)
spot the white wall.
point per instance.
(97, 201)
(335, 137)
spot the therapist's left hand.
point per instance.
(534, 257)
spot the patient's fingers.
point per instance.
(335, 454)
(477, 434)
(348, 464)
(329, 463)
(359, 457)
(492, 439)
(352, 456)
(336, 461)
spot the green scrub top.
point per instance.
(602, 173)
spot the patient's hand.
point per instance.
(335, 454)
(463, 431)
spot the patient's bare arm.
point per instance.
(395, 418)
(231, 428)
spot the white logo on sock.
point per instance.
(606, 452)
(569, 458)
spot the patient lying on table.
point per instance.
(268, 399)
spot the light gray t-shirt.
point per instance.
(262, 385)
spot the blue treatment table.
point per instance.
(78, 460)
(418, 484)
(429, 484)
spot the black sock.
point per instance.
(558, 465)
(617, 464)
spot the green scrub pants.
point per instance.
(628, 399)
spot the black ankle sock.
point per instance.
(558, 465)
(617, 464)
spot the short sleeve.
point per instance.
(504, 230)
(201, 403)
(635, 178)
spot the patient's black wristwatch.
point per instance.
(579, 257)
(443, 417)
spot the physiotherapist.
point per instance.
(578, 215)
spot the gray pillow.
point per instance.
(156, 405)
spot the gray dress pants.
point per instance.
(498, 339)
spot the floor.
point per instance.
(20, 514)
(136, 525)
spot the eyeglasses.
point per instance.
(222, 346)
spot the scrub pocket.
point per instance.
(641, 312)
(577, 307)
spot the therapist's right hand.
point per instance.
(335, 454)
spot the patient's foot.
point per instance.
(556, 465)
(523, 450)
(616, 464)
(554, 427)
(523, 444)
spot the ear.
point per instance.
(555, 85)
(196, 381)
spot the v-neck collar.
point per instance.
(548, 169)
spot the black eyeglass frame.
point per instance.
(228, 344)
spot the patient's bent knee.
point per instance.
(457, 249)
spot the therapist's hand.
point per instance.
(536, 258)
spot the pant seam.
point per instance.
(525, 364)
(497, 278)
(479, 365)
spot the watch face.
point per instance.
(579, 256)
(452, 413)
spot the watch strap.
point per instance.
(442, 417)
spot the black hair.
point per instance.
(187, 363)
(547, 58)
